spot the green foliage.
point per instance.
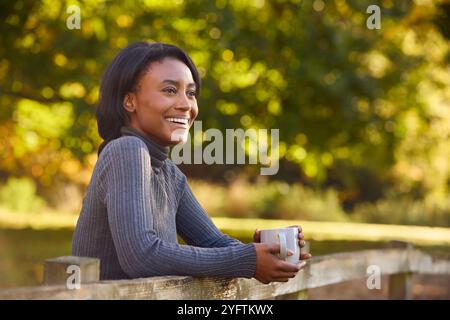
(343, 96)
(405, 211)
(272, 200)
(20, 195)
(303, 203)
(279, 200)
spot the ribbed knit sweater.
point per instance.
(136, 203)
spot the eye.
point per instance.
(191, 94)
(170, 90)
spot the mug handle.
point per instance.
(283, 246)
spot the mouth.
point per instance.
(183, 122)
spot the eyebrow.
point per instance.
(177, 83)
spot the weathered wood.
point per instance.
(301, 295)
(58, 270)
(422, 263)
(319, 271)
(400, 285)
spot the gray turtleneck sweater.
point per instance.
(136, 203)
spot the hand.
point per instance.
(270, 268)
(301, 242)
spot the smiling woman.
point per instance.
(138, 200)
(142, 88)
(165, 100)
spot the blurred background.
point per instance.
(364, 115)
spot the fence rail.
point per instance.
(399, 261)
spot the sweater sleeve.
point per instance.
(141, 253)
(195, 226)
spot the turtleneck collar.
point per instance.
(158, 153)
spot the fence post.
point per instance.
(400, 285)
(81, 270)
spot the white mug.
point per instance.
(287, 238)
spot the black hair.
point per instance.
(122, 76)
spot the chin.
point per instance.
(178, 136)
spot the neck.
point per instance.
(158, 153)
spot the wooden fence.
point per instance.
(400, 260)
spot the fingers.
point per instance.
(305, 256)
(296, 226)
(274, 248)
(257, 236)
(283, 272)
(283, 276)
(289, 270)
(301, 236)
(286, 267)
(275, 280)
(286, 274)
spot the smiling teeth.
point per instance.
(178, 120)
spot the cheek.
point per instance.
(194, 112)
(154, 106)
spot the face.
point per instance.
(164, 106)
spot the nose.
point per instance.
(184, 103)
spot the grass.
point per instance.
(23, 251)
(43, 220)
(244, 228)
(345, 231)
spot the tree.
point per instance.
(352, 103)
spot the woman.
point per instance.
(138, 200)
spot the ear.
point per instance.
(129, 102)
